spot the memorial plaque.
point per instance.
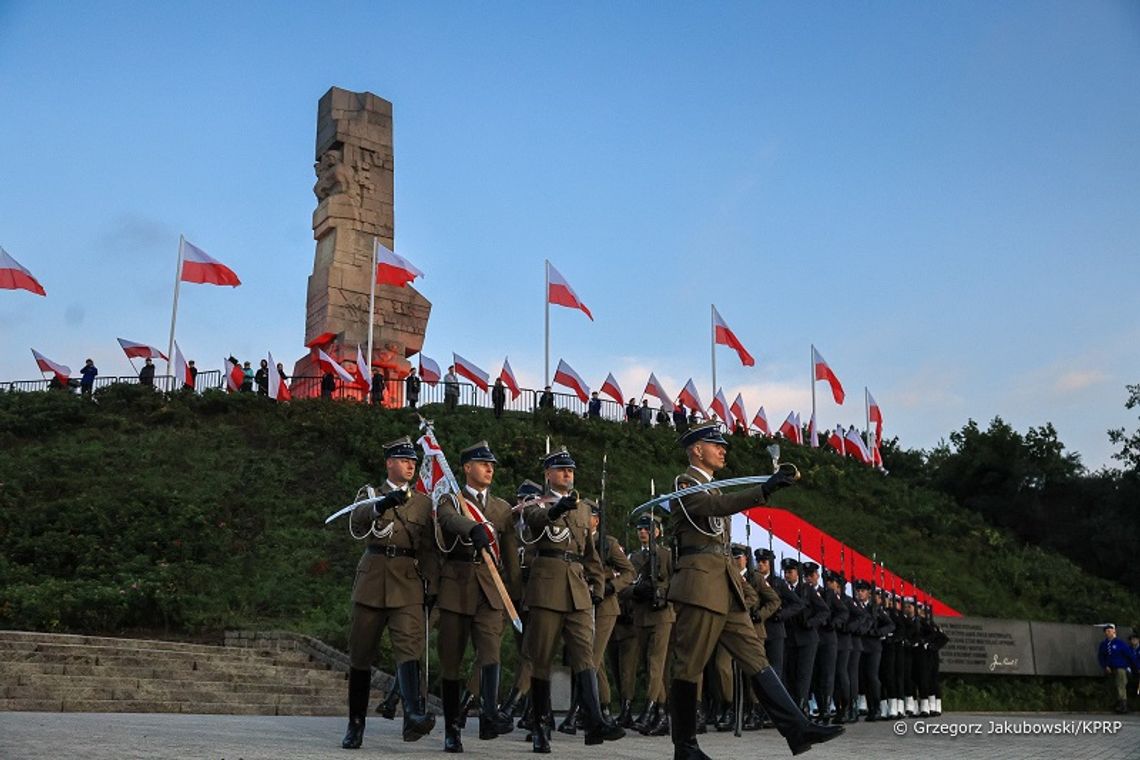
(985, 645)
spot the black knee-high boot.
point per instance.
(452, 734)
(417, 720)
(492, 722)
(540, 712)
(359, 684)
(799, 732)
(598, 729)
(683, 721)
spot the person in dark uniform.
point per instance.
(858, 623)
(909, 639)
(708, 596)
(517, 703)
(566, 582)
(653, 620)
(803, 631)
(827, 655)
(888, 668)
(399, 566)
(470, 605)
(841, 618)
(790, 606)
(880, 627)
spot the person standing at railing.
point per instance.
(680, 417)
(262, 378)
(146, 374)
(645, 414)
(631, 413)
(379, 389)
(328, 385)
(594, 410)
(87, 382)
(194, 374)
(412, 388)
(247, 378)
(546, 400)
(450, 389)
(662, 417)
(498, 397)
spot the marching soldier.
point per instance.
(470, 605)
(398, 564)
(653, 620)
(803, 631)
(708, 595)
(517, 702)
(566, 581)
(827, 656)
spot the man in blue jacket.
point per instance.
(1116, 658)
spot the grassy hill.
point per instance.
(198, 513)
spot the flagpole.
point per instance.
(174, 310)
(371, 310)
(867, 411)
(546, 302)
(712, 324)
(812, 375)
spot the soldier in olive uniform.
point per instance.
(517, 702)
(566, 581)
(399, 563)
(623, 645)
(653, 619)
(470, 605)
(708, 595)
(618, 573)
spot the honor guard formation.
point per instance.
(715, 635)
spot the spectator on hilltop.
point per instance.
(662, 417)
(1116, 659)
(412, 388)
(594, 409)
(499, 397)
(645, 414)
(88, 373)
(680, 417)
(262, 378)
(738, 429)
(379, 388)
(194, 374)
(631, 411)
(450, 389)
(546, 400)
(146, 374)
(247, 378)
(328, 384)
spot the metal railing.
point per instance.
(206, 380)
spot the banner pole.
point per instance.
(174, 309)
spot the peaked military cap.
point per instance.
(479, 452)
(861, 585)
(739, 550)
(593, 505)
(832, 575)
(810, 567)
(706, 433)
(908, 600)
(764, 554)
(401, 448)
(646, 520)
(558, 459)
(789, 563)
(882, 592)
(528, 488)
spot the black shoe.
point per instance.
(683, 716)
(625, 717)
(518, 709)
(798, 731)
(449, 691)
(417, 721)
(569, 724)
(598, 729)
(661, 727)
(648, 717)
(540, 707)
(354, 736)
(387, 708)
(726, 721)
(639, 721)
(508, 704)
(702, 721)
(359, 685)
(752, 721)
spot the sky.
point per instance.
(943, 197)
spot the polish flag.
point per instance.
(823, 372)
(760, 422)
(393, 269)
(328, 364)
(565, 375)
(429, 371)
(836, 441)
(876, 456)
(199, 267)
(181, 370)
(611, 388)
(431, 469)
(813, 434)
(61, 371)
(234, 375)
(737, 409)
(876, 415)
(558, 291)
(13, 276)
(689, 396)
(139, 350)
(655, 388)
(726, 337)
(507, 375)
(470, 371)
(362, 373)
(857, 447)
(278, 390)
(799, 430)
(720, 407)
(788, 429)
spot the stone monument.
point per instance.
(355, 205)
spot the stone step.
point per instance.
(197, 708)
(335, 683)
(43, 652)
(149, 658)
(291, 676)
(189, 693)
(71, 638)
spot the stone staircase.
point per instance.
(55, 672)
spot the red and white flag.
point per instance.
(429, 371)
(431, 469)
(760, 422)
(329, 364)
(565, 375)
(611, 388)
(13, 276)
(61, 371)
(875, 414)
(720, 408)
(471, 372)
(198, 266)
(813, 434)
(823, 372)
(737, 410)
(799, 430)
(788, 429)
(836, 440)
(392, 268)
(362, 373)
(655, 388)
(689, 396)
(139, 350)
(181, 369)
(857, 447)
(726, 337)
(876, 456)
(234, 375)
(558, 291)
(507, 375)
(278, 389)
